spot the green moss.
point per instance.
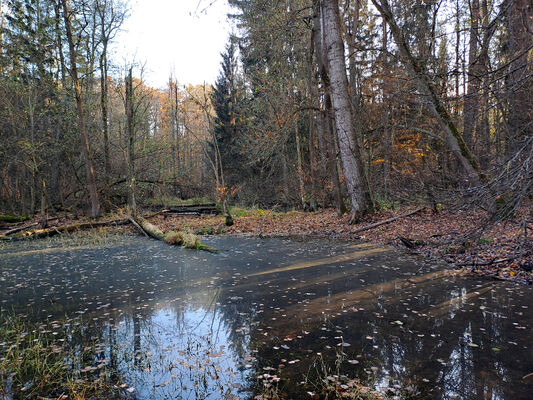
(205, 231)
(174, 238)
(14, 218)
(190, 241)
(187, 240)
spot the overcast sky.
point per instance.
(182, 36)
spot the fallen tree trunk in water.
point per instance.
(173, 238)
(152, 230)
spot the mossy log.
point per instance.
(57, 230)
(11, 219)
(152, 230)
(173, 238)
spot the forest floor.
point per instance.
(501, 250)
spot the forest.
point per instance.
(351, 199)
(350, 104)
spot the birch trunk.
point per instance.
(325, 123)
(350, 155)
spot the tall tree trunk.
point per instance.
(518, 80)
(326, 123)
(314, 135)
(104, 108)
(388, 110)
(82, 130)
(457, 55)
(351, 160)
(174, 138)
(300, 165)
(483, 126)
(130, 132)
(471, 102)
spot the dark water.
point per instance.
(176, 323)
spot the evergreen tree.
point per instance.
(227, 97)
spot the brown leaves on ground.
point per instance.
(451, 236)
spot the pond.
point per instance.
(176, 323)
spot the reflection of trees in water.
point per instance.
(468, 323)
(240, 310)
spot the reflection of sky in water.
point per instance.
(173, 354)
(185, 324)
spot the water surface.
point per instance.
(177, 323)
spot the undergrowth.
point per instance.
(103, 236)
(42, 361)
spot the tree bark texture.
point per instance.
(344, 119)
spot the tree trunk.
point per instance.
(353, 170)
(471, 104)
(300, 166)
(82, 130)
(314, 138)
(104, 107)
(130, 127)
(326, 123)
(518, 80)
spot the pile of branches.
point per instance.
(509, 186)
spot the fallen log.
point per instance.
(210, 208)
(57, 230)
(387, 221)
(151, 230)
(24, 227)
(187, 240)
(411, 244)
(135, 224)
(21, 228)
(157, 213)
(14, 218)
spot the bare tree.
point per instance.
(426, 86)
(82, 128)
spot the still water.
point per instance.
(176, 323)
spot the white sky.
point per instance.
(185, 37)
